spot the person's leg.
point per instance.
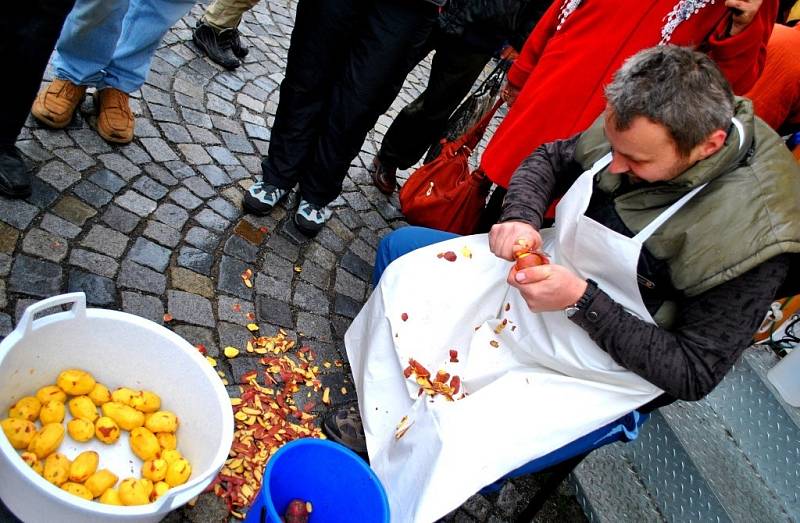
(389, 45)
(454, 70)
(226, 14)
(28, 33)
(217, 35)
(321, 36)
(402, 241)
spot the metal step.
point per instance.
(733, 457)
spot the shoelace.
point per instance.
(68, 89)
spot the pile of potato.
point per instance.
(152, 438)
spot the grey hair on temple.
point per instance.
(679, 88)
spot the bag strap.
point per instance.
(474, 135)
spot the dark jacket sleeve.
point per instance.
(548, 171)
(711, 332)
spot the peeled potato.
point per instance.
(52, 412)
(133, 492)
(123, 395)
(159, 489)
(146, 401)
(154, 469)
(75, 382)
(19, 432)
(178, 472)
(80, 429)
(144, 443)
(56, 468)
(171, 455)
(161, 421)
(106, 430)
(100, 482)
(125, 416)
(83, 407)
(26, 408)
(148, 487)
(83, 466)
(47, 440)
(33, 462)
(78, 490)
(51, 393)
(167, 440)
(100, 394)
(110, 497)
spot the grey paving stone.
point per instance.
(215, 176)
(231, 334)
(195, 154)
(120, 165)
(98, 290)
(478, 507)
(277, 267)
(222, 155)
(143, 128)
(276, 312)
(358, 202)
(349, 218)
(92, 194)
(32, 149)
(211, 220)
(120, 219)
(349, 285)
(230, 81)
(273, 287)
(150, 188)
(190, 281)
(200, 119)
(136, 203)
(58, 174)
(160, 174)
(143, 305)
(202, 239)
(226, 124)
(59, 226)
(74, 210)
(199, 187)
(6, 325)
(237, 143)
(180, 170)
(237, 172)
(134, 276)
(5, 265)
(374, 220)
(234, 310)
(107, 180)
(149, 254)
(185, 199)
(17, 213)
(94, 262)
(238, 247)
(203, 136)
(230, 278)
(34, 276)
(43, 194)
(159, 149)
(346, 306)
(218, 105)
(175, 133)
(89, 141)
(163, 114)
(309, 298)
(198, 336)
(221, 91)
(195, 260)
(75, 158)
(163, 234)
(105, 241)
(283, 247)
(313, 326)
(44, 245)
(190, 308)
(356, 266)
(321, 256)
(153, 95)
(364, 251)
(224, 208)
(53, 139)
(136, 154)
(510, 500)
(314, 274)
(171, 215)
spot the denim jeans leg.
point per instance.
(142, 30)
(88, 40)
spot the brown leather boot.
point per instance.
(384, 177)
(114, 117)
(56, 103)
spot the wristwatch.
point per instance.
(585, 300)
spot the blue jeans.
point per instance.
(403, 241)
(109, 43)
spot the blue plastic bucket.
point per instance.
(339, 484)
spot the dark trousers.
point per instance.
(347, 62)
(28, 34)
(454, 69)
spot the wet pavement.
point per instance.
(157, 226)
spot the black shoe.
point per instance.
(216, 45)
(15, 181)
(344, 427)
(238, 47)
(384, 177)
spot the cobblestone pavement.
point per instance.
(157, 225)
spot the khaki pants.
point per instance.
(226, 14)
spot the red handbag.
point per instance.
(444, 194)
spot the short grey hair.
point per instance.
(679, 88)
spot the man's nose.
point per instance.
(618, 165)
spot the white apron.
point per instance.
(545, 384)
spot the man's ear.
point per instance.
(712, 144)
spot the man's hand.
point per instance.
(503, 236)
(548, 287)
(509, 93)
(743, 13)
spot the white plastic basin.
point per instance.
(119, 349)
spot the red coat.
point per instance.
(563, 71)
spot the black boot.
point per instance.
(238, 47)
(15, 181)
(216, 45)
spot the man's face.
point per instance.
(645, 151)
